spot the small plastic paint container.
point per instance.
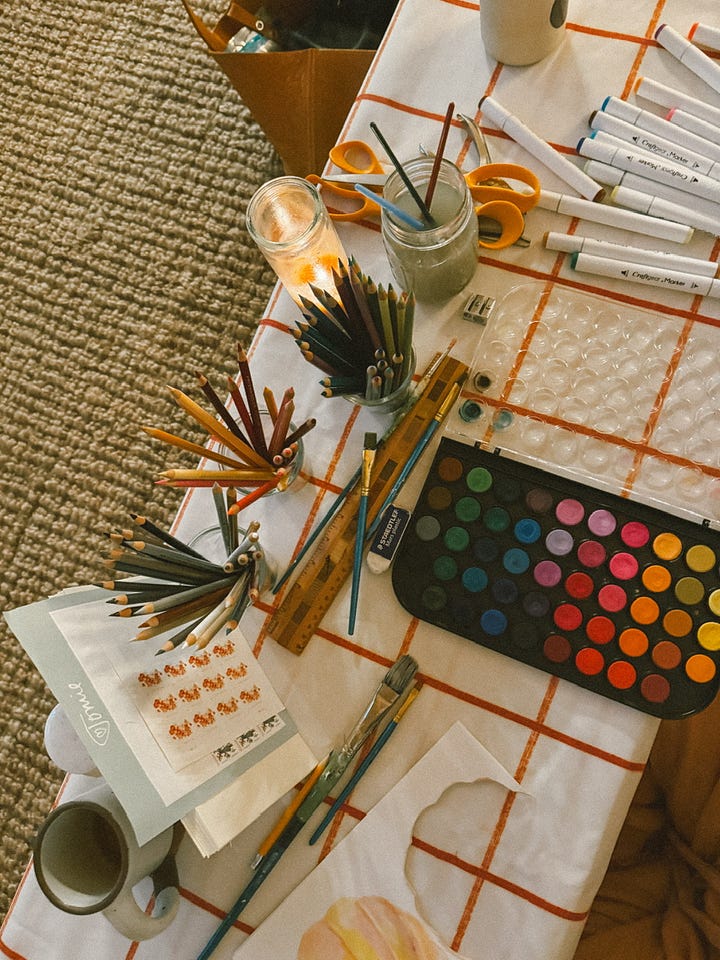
(437, 262)
(470, 411)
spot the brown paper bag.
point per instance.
(300, 98)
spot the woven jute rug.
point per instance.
(126, 163)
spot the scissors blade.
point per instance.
(366, 179)
(477, 137)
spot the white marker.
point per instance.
(522, 135)
(665, 96)
(615, 177)
(653, 206)
(572, 243)
(705, 36)
(650, 276)
(695, 126)
(689, 55)
(601, 146)
(699, 143)
(653, 143)
(648, 226)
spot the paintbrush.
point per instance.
(429, 193)
(392, 687)
(368, 458)
(426, 215)
(365, 763)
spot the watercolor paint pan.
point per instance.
(616, 596)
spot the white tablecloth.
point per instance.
(526, 889)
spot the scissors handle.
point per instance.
(510, 219)
(362, 206)
(485, 186)
(355, 156)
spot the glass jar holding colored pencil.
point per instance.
(359, 336)
(289, 222)
(176, 592)
(435, 252)
(254, 452)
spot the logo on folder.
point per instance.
(97, 726)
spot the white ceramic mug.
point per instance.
(520, 32)
(87, 860)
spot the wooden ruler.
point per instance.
(330, 563)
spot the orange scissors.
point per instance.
(495, 199)
(359, 165)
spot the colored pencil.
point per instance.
(352, 333)
(184, 589)
(246, 456)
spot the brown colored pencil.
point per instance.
(251, 399)
(282, 423)
(215, 428)
(220, 407)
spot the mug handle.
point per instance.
(130, 919)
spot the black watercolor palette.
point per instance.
(616, 596)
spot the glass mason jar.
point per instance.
(289, 222)
(437, 262)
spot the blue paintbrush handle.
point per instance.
(347, 789)
(357, 562)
